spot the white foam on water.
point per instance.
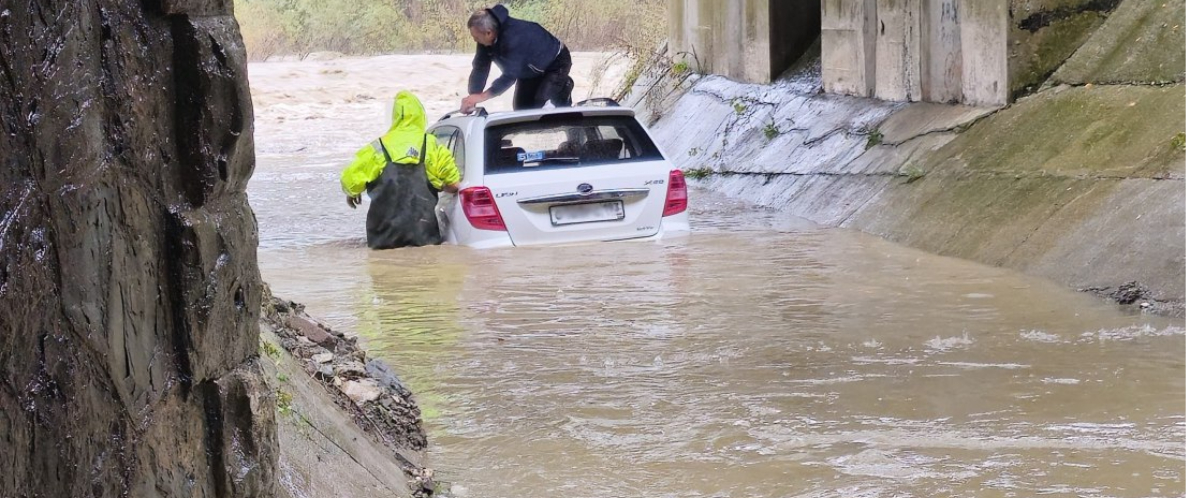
(1040, 336)
(895, 465)
(965, 364)
(884, 361)
(947, 343)
(1064, 489)
(1094, 429)
(1130, 333)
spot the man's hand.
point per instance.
(450, 188)
(470, 102)
(354, 201)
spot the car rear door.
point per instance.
(573, 177)
(450, 137)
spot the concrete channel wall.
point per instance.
(1081, 181)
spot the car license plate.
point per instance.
(585, 213)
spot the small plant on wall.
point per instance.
(739, 107)
(913, 173)
(875, 138)
(771, 130)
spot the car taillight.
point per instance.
(479, 207)
(677, 194)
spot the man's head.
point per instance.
(483, 27)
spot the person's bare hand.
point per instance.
(468, 104)
(354, 201)
(471, 101)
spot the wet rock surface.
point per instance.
(1136, 295)
(129, 289)
(365, 388)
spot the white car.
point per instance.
(555, 176)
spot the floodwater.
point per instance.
(759, 356)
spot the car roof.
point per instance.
(532, 114)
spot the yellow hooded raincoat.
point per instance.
(403, 142)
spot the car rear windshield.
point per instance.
(567, 141)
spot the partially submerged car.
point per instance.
(549, 176)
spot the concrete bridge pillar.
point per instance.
(905, 50)
(984, 35)
(942, 51)
(848, 41)
(898, 70)
(911, 50)
(747, 40)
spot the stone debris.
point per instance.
(368, 389)
(362, 391)
(311, 329)
(350, 370)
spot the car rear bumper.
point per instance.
(673, 226)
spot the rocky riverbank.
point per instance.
(376, 430)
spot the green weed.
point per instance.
(284, 402)
(680, 68)
(771, 130)
(875, 138)
(913, 173)
(269, 349)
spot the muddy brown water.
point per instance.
(760, 356)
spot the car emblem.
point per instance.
(584, 188)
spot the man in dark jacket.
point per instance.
(528, 56)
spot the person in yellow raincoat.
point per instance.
(402, 172)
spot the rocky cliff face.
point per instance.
(129, 292)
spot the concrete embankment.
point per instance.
(1080, 182)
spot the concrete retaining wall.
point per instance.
(1080, 184)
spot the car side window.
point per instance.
(450, 137)
(457, 147)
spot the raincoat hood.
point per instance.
(407, 115)
(406, 143)
(501, 13)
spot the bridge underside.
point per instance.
(905, 50)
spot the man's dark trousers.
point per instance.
(554, 85)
